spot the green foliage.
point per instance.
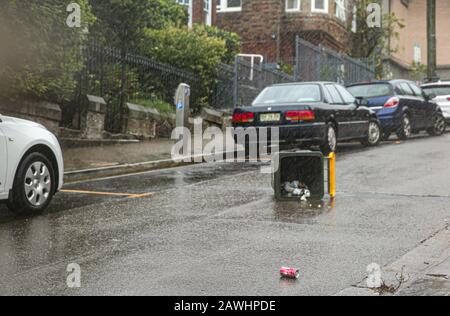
(40, 54)
(122, 23)
(165, 13)
(188, 50)
(232, 40)
(418, 71)
(287, 68)
(374, 42)
(160, 105)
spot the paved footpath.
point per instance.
(424, 271)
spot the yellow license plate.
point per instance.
(270, 117)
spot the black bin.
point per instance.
(305, 166)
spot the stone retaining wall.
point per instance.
(45, 113)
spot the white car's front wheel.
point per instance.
(34, 185)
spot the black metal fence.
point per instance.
(223, 90)
(250, 81)
(121, 77)
(317, 63)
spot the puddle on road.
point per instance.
(294, 211)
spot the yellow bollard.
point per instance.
(332, 174)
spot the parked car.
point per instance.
(31, 165)
(307, 114)
(440, 93)
(402, 107)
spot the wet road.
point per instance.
(216, 230)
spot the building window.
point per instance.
(188, 4)
(355, 20)
(293, 5)
(207, 11)
(417, 53)
(320, 6)
(340, 10)
(229, 6)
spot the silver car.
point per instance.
(441, 92)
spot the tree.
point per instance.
(191, 50)
(40, 53)
(370, 41)
(232, 40)
(122, 23)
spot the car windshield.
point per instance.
(289, 93)
(437, 90)
(371, 90)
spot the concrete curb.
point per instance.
(94, 173)
(123, 169)
(422, 266)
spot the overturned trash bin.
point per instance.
(300, 175)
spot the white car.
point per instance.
(441, 91)
(31, 165)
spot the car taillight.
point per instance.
(392, 103)
(300, 116)
(448, 99)
(243, 117)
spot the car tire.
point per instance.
(330, 143)
(374, 137)
(405, 130)
(439, 125)
(34, 185)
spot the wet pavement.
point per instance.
(215, 229)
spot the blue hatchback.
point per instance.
(402, 107)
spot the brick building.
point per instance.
(412, 41)
(269, 27)
(200, 11)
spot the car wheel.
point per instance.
(34, 185)
(330, 144)
(439, 125)
(374, 136)
(405, 130)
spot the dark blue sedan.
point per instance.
(402, 107)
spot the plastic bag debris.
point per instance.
(297, 189)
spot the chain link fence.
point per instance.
(250, 81)
(317, 63)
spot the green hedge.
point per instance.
(199, 50)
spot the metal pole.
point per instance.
(297, 56)
(236, 82)
(332, 175)
(431, 34)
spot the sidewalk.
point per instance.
(83, 163)
(113, 155)
(424, 271)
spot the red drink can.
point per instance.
(290, 273)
